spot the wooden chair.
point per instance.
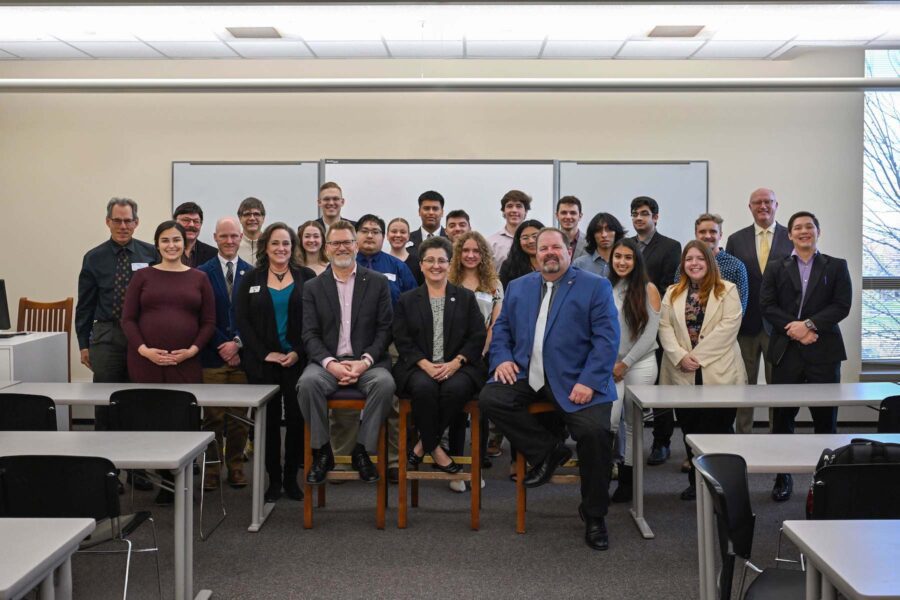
(47, 316)
(344, 399)
(521, 490)
(473, 476)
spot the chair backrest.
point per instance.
(25, 412)
(58, 487)
(725, 475)
(863, 491)
(47, 316)
(153, 410)
(889, 415)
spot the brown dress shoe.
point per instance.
(236, 478)
(211, 480)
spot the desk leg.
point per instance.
(183, 589)
(64, 580)
(637, 482)
(812, 581)
(259, 510)
(47, 591)
(706, 543)
(828, 591)
(701, 530)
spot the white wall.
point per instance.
(63, 155)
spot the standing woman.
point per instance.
(701, 315)
(269, 317)
(522, 258)
(398, 240)
(439, 332)
(638, 303)
(312, 246)
(168, 315)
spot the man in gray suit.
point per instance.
(347, 319)
(756, 246)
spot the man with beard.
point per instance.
(190, 216)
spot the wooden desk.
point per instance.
(857, 557)
(171, 450)
(33, 550)
(763, 454)
(734, 396)
(242, 396)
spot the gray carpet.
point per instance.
(344, 556)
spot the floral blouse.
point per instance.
(693, 314)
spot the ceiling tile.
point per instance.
(357, 49)
(194, 49)
(270, 49)
(503, 49)
(425, 49)
(42, 50)
(118, 49)
(658, 49)
(582, 49)
(724, 50)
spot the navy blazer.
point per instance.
(742, 243)
(581, 340)
(416, 237)
(226, 322)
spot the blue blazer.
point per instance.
(226, 324)
(581, 340)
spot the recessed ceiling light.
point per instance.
(675, 31)
(253, 32)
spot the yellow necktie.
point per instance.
(763, 250)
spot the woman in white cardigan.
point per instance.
(698, 327)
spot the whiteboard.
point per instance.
(681, 189)
(391, 188)
(288, 190)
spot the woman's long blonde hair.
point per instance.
(712, 281)
(487, 276)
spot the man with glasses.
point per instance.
(347, 319)
(331, 203)
(252, 214)
(190, 216)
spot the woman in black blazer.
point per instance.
(269, 317)
(439, 333)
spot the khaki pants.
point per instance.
(214, 418)
(752, 346)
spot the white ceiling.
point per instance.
(440, 31)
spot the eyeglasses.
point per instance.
(762, 203)
(189, 221)
(254, 213)
(370, 231)
(641, 213)
(341, 244)
(432, 261)
(125, 222)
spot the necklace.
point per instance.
(279, 276)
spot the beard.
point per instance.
(551, 266)
(343, 262)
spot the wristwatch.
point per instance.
(239, 343)
(809, 324)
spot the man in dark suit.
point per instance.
(662, 256)
(190, 216)
(556, 341)
(756, 246)
(221, 357)
(431, 211)
(331, 203)
(347, 318)
(804, 297)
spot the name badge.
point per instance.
(391, 276)
(484, 296)
(139, 266)
(410, 244)
(254, 289)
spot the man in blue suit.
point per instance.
(556, 341)
(221, 358)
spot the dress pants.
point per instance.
(235, 430)
(507, 406)
(316, 385)
(752, 348)
(703, 420)
(286, 398)
(792, 369)
(663, 418)
(437, 404)
(107, 352)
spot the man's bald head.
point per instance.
(228, 237)
(763, 206)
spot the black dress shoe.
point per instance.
(784, 485)
(543, 471)
(658, 455)
(595, 534)
(363, 464)
(450, 469)
(322, 463)
(689, 493)
(273, 492)
(164, 498)
(291, 489)
(413, 459)
(486, 462)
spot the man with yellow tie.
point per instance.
(756, 246)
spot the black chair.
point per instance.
(725, 475)
(27, 412)
(163, 410)
(73, 487)
(889, 415)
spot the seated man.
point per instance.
(346, 331)
(556, 341)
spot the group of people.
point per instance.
(530, 313)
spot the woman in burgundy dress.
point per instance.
(168, 315)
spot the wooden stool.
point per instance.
(345, 399)
(521, 490)
(474, 461)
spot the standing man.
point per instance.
(568, 214)
(662, 256)
(221, 358)
(514, 205)
(556, 341)
(457, 224)
(756, 246)
(804, 297)
(190, 216)
(708, 229)
(346, 331)
(252, 214)
(431, 211)
(331, 203)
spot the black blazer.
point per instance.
(255, 314)
(416, 236)
(464, 332)
(202, 253)
(742, 243)
(661, 256)
(829, 294)
(370, 329)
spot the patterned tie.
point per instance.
(229, 277)
(430, 235)
(120, 283)
(763, 250)
(536, 364)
